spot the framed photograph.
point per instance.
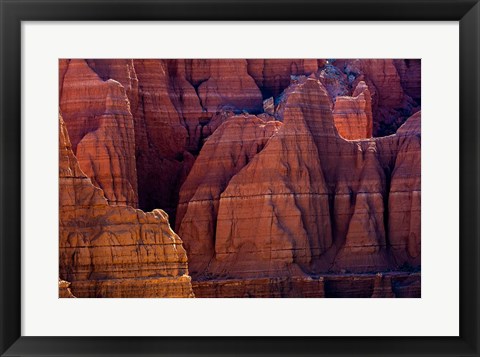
(248, 178)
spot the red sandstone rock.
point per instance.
(276, 214)
(262, 199)
(64, 289)
(383, 74)
(410, 76)
(412, 127)
(62, 69)
(294, 287)
(385, 78)
(353, 115)
(230, 85)
(226, 152)
(365, 242)
(161, 134)
(270, 215)
(114, 251)
(273, 75)
(98, 115)
(157, 120)
(383, 287)
(121, 70)
(178, 99)
(405, 192)
(197, 71)
(381, 77)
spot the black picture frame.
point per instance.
(467, 12)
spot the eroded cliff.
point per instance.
(114, 251)
(278, 175)
(309, 202)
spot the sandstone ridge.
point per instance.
(114, 251)
(281, 177)
(328, 205)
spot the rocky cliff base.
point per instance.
(387, 285)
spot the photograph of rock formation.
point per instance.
(261, 178)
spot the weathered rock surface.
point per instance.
(394, 88)
(407, 286)
(410, 77)
(255, 197)
(353, 115)
(150, 117)
(114, 251)
(163, 132)
(273, 75)
(382, 287)
(230, 85)
(177, 104)
(294, 287)
(404, 204)
(386, 285)
(225, 153)
(98, 115)
(64, 289)
(272, 213)
(309, 201)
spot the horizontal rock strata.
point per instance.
(64, 290)
(98, 116)
(353, 115)
(387, 285)
(309, 201)
(261, 288)
(227, 151)
(272, 172)
(114, 251)
(394, 86)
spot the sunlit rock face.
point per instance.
(309, 201)
(228, 150)
(113, 251)
(273, 173)
(98, 116)
(64, 290)
(394, 86)
(353, 115)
